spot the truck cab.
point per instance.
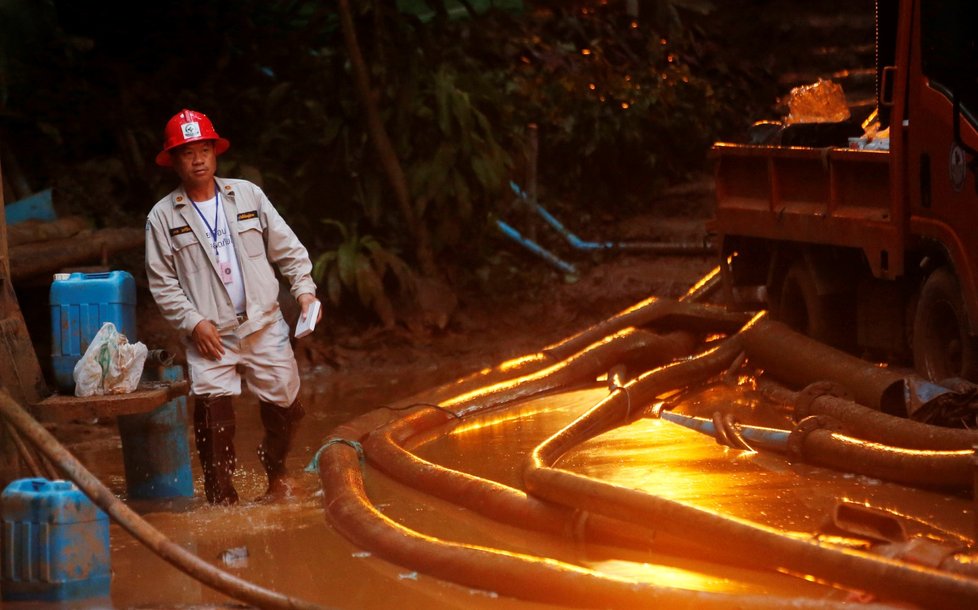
(871, 250)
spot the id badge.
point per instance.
(226, 272)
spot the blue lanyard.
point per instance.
(217, 211)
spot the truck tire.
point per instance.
(801, 307)
(942, 345)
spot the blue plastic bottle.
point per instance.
(80, 304)
(55, 543)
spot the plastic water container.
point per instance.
(55, 543)
(155, 446)
(80, 304)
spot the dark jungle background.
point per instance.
(626, 97)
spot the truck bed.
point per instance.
(830, 196)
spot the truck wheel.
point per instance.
(801, 307)
(942, 345)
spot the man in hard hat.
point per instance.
(210, 247)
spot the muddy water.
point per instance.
(291, 549)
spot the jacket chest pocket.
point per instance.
(188, 252)
(250, 236)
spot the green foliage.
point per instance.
(668, 13)
(454, 163)
(361, 267)
(454, 9)
(622, 107)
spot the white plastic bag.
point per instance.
(110, 365)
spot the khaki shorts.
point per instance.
(264, 358)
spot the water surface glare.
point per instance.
(290, 548)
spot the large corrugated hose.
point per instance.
(521, 576)
(606, 506)
(385, 450)
(823, 398)
(526, 577)
(885, 578)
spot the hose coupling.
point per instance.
(796, 440)
(814, 391)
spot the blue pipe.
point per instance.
(769, 438)
(579, 244)
(574, 240)
(536, 248)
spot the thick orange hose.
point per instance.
(501, 502)
(522, 576)
(537, 579)
(512, 574)
(885, 578)
(918, 467)
(624, 346)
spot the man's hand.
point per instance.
(305, 300)
(207, 340)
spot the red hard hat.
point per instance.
(188, 126)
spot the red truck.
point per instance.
(872, 250)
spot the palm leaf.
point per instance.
(346, 259)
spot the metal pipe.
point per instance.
(159, 357)
(759, 436)
(719, 432)
(735, 432)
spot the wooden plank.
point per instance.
(33, 231)
(40, 258)
(34, 259)
(146, 398)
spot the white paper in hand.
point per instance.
(308, 324)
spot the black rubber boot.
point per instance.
(280, 428)
(214, 435)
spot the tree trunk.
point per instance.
(382, 143)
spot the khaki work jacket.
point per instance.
(183, 272)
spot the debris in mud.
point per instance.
(235, 558)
